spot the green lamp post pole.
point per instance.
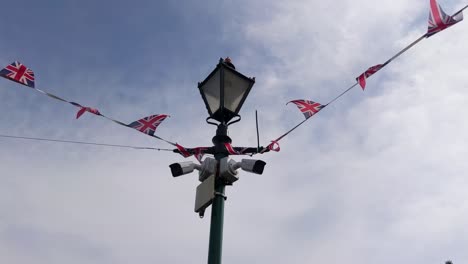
(217, 211)
(223, 91)
(216, 229)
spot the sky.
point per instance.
(376, 177)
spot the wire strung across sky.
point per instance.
(82, 143)
(438, 21)
(17, 72)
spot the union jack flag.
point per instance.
(439, 20)
(19, 73)
(230, 149)
(87, 109)
(362, 78)
(84, 109)
(308, 108)
(273, 146)
(199, 153)
(148, 124)
(183, 151)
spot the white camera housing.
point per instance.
(251, 165)
(208, 168)
(182, 168)
(228, 170)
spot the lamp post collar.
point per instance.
(221, 135)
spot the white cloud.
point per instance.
(376, 177)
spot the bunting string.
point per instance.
(82, 142)
(460, 11)
(341, 94)
(19, 73)
(438, 21)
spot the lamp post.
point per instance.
(224, 92)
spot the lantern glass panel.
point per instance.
(235, 88)
(211, 90)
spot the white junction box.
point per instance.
(205, 194)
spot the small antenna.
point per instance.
(258, 135)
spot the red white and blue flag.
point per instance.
(235, 150)
(439, 20)
(230, 149)
(273, 146)
(148, 124)
(199, 153)
(87, 109)
(84, 109)
(19, 73)
(183, 151)
(363, 77)
(308, 108)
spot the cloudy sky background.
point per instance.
(377, 177)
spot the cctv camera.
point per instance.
(251, 165)
(181, 168)
(208, 168)
(228, 170)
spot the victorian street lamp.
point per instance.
(224, 92)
